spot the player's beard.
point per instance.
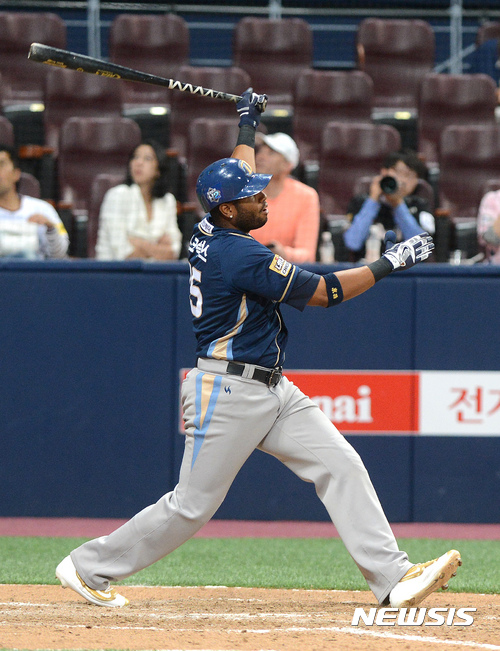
(250, 218)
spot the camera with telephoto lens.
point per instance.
(388, 185)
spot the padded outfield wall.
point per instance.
(91, 360)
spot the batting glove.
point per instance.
(406, 254)
(250, 107)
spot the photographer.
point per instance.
(391, 204)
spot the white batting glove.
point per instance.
(406, 254)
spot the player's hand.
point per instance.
(406, 254)
(389, 239)
(250, 107)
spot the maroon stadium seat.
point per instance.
(396, 53)
(273, 53)
(23, 79)
(92, 146)
(350, 150)
(186, 107)
(156, 43)
(210, 139)
(72, 94)
(452, 99)
(470, 156)
(321, 96)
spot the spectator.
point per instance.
(488, 226)
(138, 218)
(400, 210)
(293, 221)
(29, 227)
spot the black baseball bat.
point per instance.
(65, 59)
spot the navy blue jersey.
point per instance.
(236, 288)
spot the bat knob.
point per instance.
(262, 103)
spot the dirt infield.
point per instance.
(223, 619)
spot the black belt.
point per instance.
(271, 377)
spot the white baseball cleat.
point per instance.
(424, 578)
(69, 578)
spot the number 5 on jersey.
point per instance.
(196, 297)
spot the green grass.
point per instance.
(256, 562)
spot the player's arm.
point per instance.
(249, 109)
(340, 286)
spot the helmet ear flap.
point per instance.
(226, 180)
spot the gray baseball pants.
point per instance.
(226, 417)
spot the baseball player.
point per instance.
(237, 398)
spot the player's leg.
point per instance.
(306, 441)
(225, 419)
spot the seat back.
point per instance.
(488, 30)
(22, 79)
(186, 107)
(158, 44)
(396, 53)
(452, 99)
(321, 96)
(29, 185)
(350, 150)
(92, 146)
(273, 52)
(210, 139)
(69, 94)
(100, 185)
(6, 131)
(491, 185)
(470, 156)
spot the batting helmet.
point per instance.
(226, 180)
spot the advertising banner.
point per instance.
(457, 403)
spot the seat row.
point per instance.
(395, 53)
(319, 97)
(100, 147)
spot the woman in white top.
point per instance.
(138, 218)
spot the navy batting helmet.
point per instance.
(226, 180)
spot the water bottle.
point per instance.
(373, 244)
(326, 249)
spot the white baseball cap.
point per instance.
(284, 145)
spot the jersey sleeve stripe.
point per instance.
(292, 276)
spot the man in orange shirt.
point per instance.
(292, 227)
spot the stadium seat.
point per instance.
(396, 53)
(23, 79)
(470, 156)
(488, 30)
(273, 52)
(350, 150)
(6, 132)
(321, 96)
(452, 99)
(71, 94)
(155, 43)
(210, 139)
(491, 185)
(186, 107)
(92, 146)
(29, 185)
